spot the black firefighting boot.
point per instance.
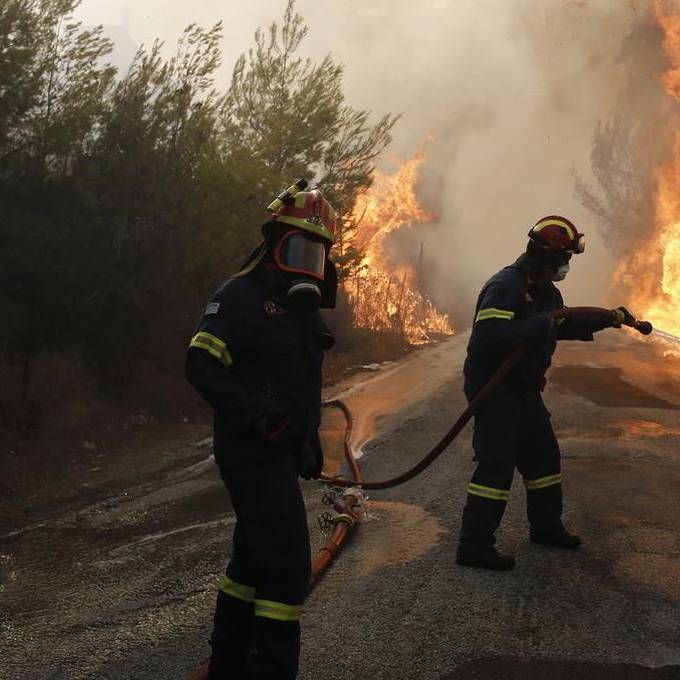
(484, 558)
(556, 536)
(232, 637)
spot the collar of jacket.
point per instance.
(253, 260)
(532, 270)
(272, 283)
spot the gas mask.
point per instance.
(302, 260)
(560, 273)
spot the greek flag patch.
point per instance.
(212, 308)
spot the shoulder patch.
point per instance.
(212, 308)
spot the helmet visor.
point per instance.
(300, 254)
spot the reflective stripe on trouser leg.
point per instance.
(544, 501)
(278, 611)
(543, 482)
(487, 496)
(481, 517)
(237, 590)
(489, 492)
(538, 461)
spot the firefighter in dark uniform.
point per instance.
(256, 359)
(513, 429)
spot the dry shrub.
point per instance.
(357, 346)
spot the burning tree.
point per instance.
(661, 255)
(385, 291)
(636, 162)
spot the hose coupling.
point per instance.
(345, 519)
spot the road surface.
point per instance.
(114, 577)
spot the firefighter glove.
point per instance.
(622, 317)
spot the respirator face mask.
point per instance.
(304, 260)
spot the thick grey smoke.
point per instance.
(632, 144)
(508, 93)
(511, 94)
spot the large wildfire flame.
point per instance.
(385, 294)
(655, 268)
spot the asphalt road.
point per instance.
(115, 577)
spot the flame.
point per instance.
(653, 272)
(385, 293)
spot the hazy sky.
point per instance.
(509, 90)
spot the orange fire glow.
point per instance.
(655, 268)
(385, 293)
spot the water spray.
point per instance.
(668, 337)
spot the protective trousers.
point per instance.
(256, 634)
(512, 430)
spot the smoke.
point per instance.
(632, 144)
(509, 96)
(505, 97)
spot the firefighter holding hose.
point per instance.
(513, 429)
(256, 359)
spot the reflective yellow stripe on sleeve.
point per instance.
(488, 492)
(278, 611)
(493, 313)
(237, 590)
(213, 346)
(543, 482)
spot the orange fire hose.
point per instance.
(348, 508)
(349, 515)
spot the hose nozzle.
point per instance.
(643, 327)
(625, 318)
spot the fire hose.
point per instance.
(349, 505)
(501, 373)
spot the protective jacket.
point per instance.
(508, 312)
(250, 359)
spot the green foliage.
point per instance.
(53, 89)
(53, 86)
(127, 198)
(157, 143)
(285, 116)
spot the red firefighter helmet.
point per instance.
(310, 211)
(556, 234)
